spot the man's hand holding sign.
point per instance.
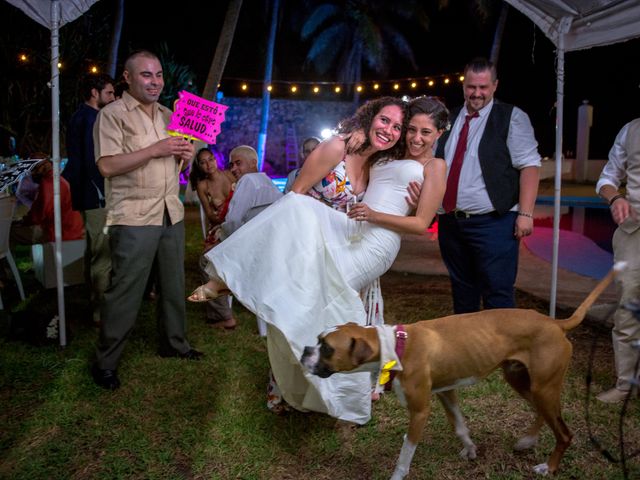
(195, 118)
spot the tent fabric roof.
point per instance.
(40, 10)
(591, 22)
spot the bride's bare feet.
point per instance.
(209, 291)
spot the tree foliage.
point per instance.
(349, 35)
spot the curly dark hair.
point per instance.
(196, 174)
(363, 118)
(431, 106)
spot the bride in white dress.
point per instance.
(298, 267)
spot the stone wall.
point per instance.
(305, 117)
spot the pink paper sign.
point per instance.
(196, 118)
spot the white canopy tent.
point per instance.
(576, 25)
(53, 14)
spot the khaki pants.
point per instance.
(626, 328)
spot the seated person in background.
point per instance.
(253, 193)
(214, 188)
(308, 146)
(37, 226)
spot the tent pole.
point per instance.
(565, 24)
(55, 147)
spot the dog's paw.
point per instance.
(468, 453)
(526, 442)
(542, 469)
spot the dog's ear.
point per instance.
(360, 351)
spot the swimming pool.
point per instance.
(589, 216)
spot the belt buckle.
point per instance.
(460, 213)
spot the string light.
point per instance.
(59, 64)
(23, 57)
(397, 86)
(93, 69)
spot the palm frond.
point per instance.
(326, 48)
(317, 18)
(400, 44)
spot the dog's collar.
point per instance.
(392, 343)
(401, 340)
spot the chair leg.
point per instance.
(16, 274)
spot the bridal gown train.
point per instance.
(295, 268)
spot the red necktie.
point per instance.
(451, 194)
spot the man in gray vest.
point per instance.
(624, 162)
(492, 182)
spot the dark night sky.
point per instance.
(607, 76)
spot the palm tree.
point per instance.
(264, 118)
(177, 77)
(360, 33)
(222, 50)
(115, 39)
(497, 37)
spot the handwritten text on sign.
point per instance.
(196, 118)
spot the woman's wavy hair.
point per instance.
(363, 118)
(431, 106)
(196, 175)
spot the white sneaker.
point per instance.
(613, 395)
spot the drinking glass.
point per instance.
(354, 227)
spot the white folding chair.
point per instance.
(7, 206)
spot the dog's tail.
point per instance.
(574, 320)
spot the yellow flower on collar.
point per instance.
(385, 375)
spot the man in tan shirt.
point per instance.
(141, 163)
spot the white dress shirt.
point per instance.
(616, 168)
(253, 193)
(521, 142)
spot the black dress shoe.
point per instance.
(190, 354)
(105, 378)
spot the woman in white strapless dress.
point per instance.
(298, 268)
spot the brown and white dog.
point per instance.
(443, 354)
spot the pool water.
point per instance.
(592, 222)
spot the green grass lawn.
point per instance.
(175, 419)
